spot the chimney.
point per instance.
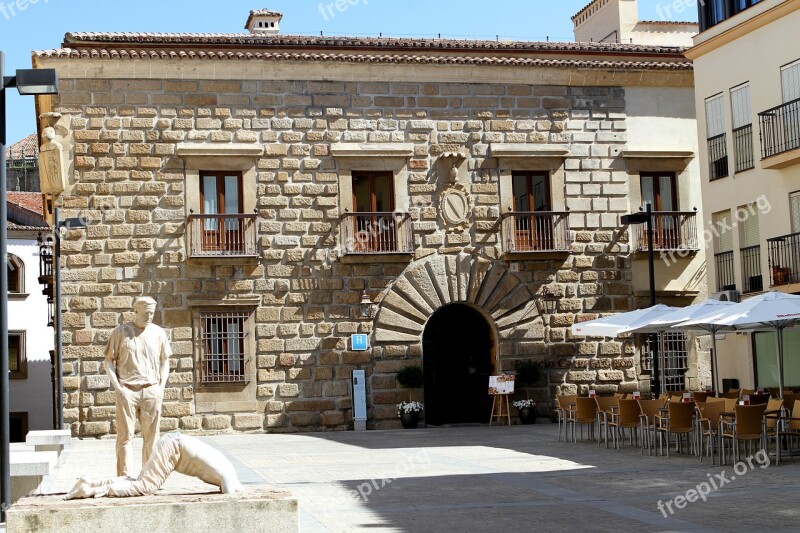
(264, 22)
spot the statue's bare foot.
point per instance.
(82, 489)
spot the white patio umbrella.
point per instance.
(692, 312)
(772, 310)
(614, 325)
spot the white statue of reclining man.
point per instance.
(174, 452)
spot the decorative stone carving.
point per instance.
(441, 280)
(453, 160)
(52, 167)
(455, 207)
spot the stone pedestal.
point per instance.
(252, 511)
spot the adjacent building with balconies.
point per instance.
(747, 77)
(278, 194)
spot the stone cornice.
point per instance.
(658, 154)
(372, 150)
(217, 150)
(520, 150)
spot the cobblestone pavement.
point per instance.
(485, 479)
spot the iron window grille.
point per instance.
(676, 359)
(222, 345)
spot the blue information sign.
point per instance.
(359, 342)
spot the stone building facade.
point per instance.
(277, 194)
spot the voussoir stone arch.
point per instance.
(439, 280)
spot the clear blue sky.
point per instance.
(43, 23)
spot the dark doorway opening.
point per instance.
(458, 358)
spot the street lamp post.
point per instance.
(27, 82)
(70, 223)
(646, 217)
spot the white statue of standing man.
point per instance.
(137, 363)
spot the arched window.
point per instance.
(16, 275)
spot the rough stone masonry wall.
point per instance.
(130, 182)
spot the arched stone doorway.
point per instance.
(458, 356)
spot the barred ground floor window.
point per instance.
(224, 345)
(676, 358)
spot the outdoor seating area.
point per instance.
(696, 423)
(724, 424)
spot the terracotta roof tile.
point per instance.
(32, 201)
(204, 54)
(27, 147)
(670, 22)
(219, 40)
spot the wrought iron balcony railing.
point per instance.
(222, 236)
(752, 280)
(672, 230)
(784, 259)
(780, 129)
(743, 148)
(726, 279)
(717, 157)
(539, 231)
(376, 233)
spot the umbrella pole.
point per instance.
(663, 369)
(779, 346)
(714, 368)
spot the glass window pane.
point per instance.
(13, 353)
(648, 191)
(767, 358)
(740, 106)
(231, 199)
(540, 200)
(361, 193)
(231, 194)
(521, 199)
(13, 278)
(383, 194)
(665, 194)
(210, 201)
(234, 354)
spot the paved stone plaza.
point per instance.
(481, 479)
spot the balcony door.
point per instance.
(221, 195)
(533, 229)
(373, 202)
(660, 190)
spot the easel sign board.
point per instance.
(501, 385)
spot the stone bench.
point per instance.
(49, 440)
(258, 510)
(28, 469)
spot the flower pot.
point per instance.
(527, 415)
(409, 420)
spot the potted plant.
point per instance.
(411, 377)
(409, 413)
(527, 411)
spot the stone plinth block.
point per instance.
(256, 510)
